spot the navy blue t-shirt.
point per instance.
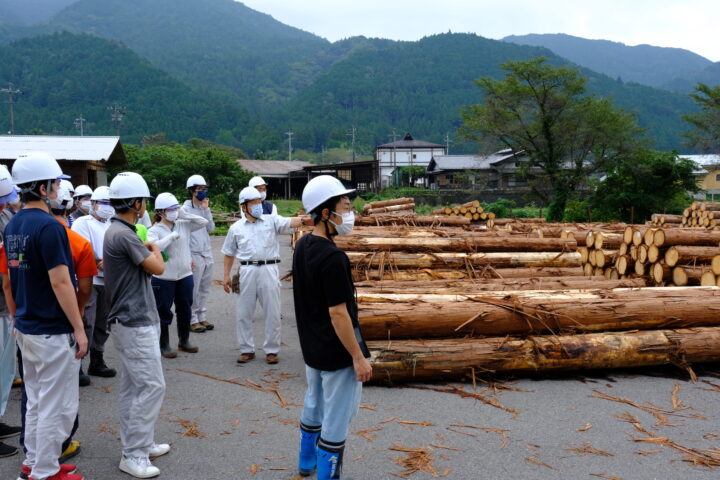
(35, 243)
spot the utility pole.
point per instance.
(447, 144)
(10, 91)
(117, 115)
(79, 124)
(352, 134)
(394, 139)
(289, 134)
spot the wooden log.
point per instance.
(391, 208)
(638, 236)
(709, 206)
(623, 264)
(458, 274)
(588, 270)
(398, 316)
(490, 244)
(682, 255)
(634, 252)
(623, 249)
(419, 360)
(401, 260)
(684, 236)
(649, 236)
(653, 254)
(387, 203)
(640, 268)
(466, 287)
(642, 253)
(715, 265)
(604, 258)
(412, 220)
(607, 241)
(660, 272)
(628, 234)
(687, 275)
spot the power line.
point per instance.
(79, 124)
(447, 144)
(117, 116)
(290, 134)
(352, 134)
(10, 93)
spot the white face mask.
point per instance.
(85, 205)
(104, 211)
(171, 215)
(348, 220)
(263, 196)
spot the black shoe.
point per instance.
(97, 366)
(167, 352)
(187, 347)
(84, 379)
(6, 431)
(7, 450)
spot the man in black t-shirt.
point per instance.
(326, 312)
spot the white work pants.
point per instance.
(50, 373)
(202, 276)
(7, 359)
(259, 283)
(141, 387)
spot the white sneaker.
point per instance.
(138, 467)
(159, 449)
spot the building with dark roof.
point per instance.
(407, 152)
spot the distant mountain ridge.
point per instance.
(661, 67)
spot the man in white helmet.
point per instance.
(335, 354)
(81, 197)
(259, 184)
(92, 227)
(49, 327)
(253, 240)
(201, 251)
(135, 325)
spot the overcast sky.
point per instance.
(689, 24)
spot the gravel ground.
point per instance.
(541, 428)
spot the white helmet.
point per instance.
(83, 191)
(64, 198)
(166, 200)
(129, 185)
(101, 193)
(256, 182)
(247, 194)
(195, 180)
(321, 189)
(34, 166)
(8, 193)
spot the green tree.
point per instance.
(706, 122)
(545, 113)
(167, 167)
(650, 182)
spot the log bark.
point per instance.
(661, 272)
(387, 203)
(682, 255)
(534, 312)
(438, 220)
(684, 236)
(416, 360)
(462, 260)
(495, 284)
(686, 275)
(607, 241)
(391, 208)
(459, 274)
(505, 244)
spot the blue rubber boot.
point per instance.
(329, 460)
(309, 437)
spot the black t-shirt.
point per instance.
(322, 278)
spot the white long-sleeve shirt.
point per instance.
(175, 242)
(200, 239)
(93, 230)
(256, 240)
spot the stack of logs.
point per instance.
(665, 256)
(401, 211)
(473, 211)
(698, 215)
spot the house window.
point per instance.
(345, 175)
(717, 177)
(414, 156)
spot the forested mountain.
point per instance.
(30, 12)
(422, 86)
(645, 64)
(65, 75)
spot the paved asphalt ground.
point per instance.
(243, 432)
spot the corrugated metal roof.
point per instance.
(409, 142)
(469, 162)
(272, 168)
(62, 148)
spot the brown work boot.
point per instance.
(272, 358)
(245, 357)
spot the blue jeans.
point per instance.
(180, 293)
(331, 401)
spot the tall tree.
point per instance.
(706, 122)
(544, 112)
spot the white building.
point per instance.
(407, 152)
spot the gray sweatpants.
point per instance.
(95, 319)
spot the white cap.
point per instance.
(166, 200)
(247, 194)
(101, 193)
(83, 191)
(195, 180)
(8, 193)
(256, 182)
(321, 189)
(34, 166)
(128, 185)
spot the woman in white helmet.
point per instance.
(335, 354)
(253, 240)
(135, 325)
(92, 227)
(171, 232)
(259, 184)
(49, 325)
